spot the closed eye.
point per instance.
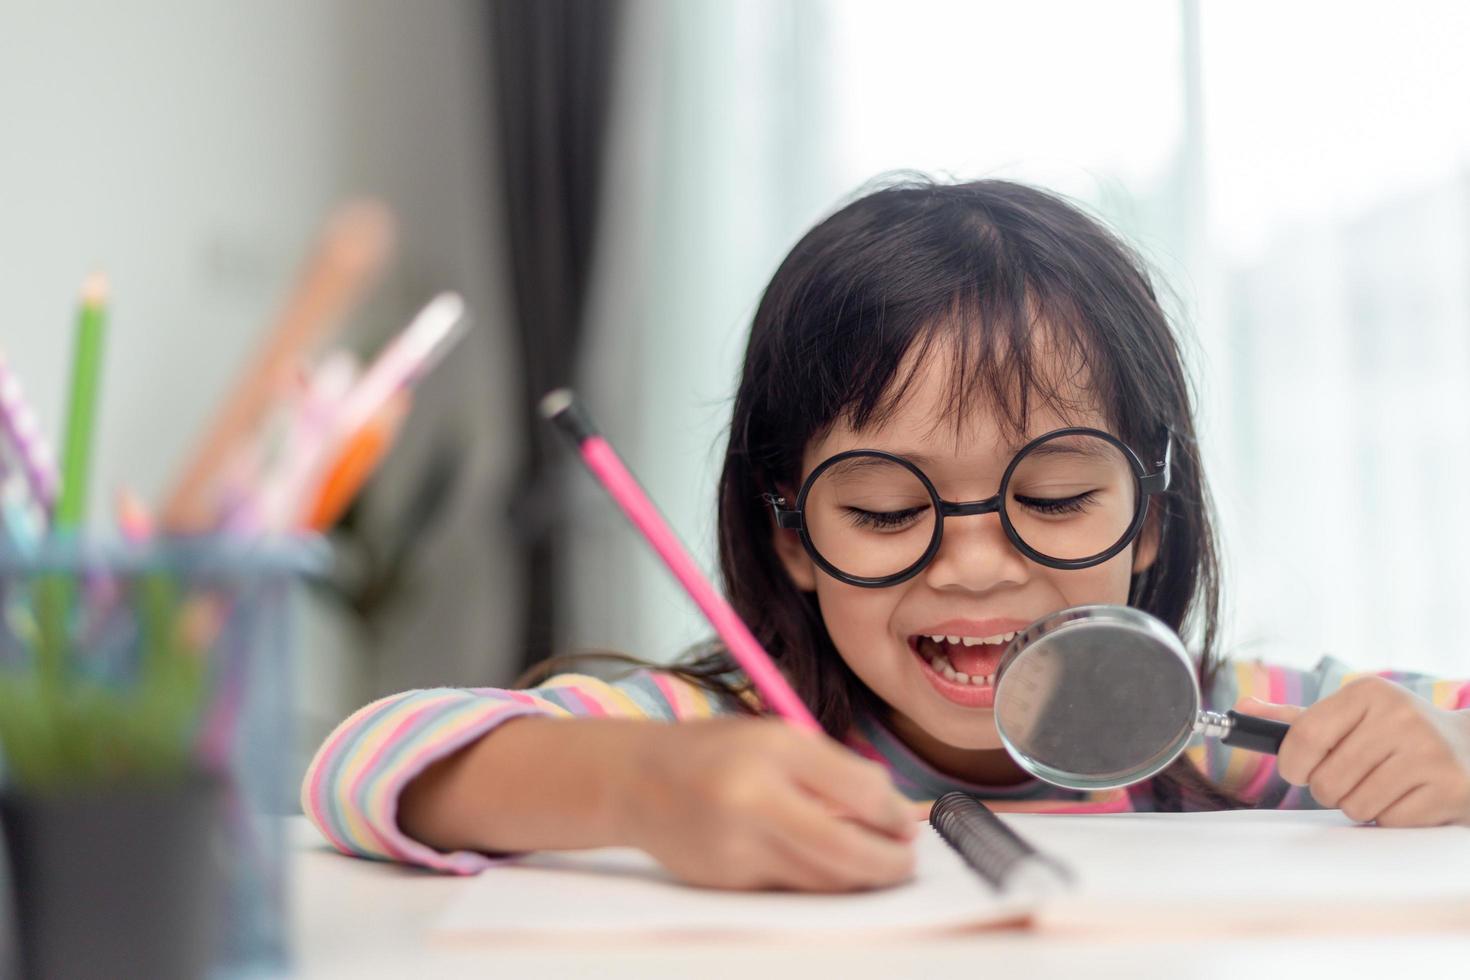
(1058, 505)
(883, 520)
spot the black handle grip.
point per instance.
(1255, 734)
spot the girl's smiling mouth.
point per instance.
(960, 658)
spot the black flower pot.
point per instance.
(115, 882)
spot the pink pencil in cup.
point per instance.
(560, 408)
(18, 426)
(407, 358)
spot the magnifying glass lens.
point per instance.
(1098, 702)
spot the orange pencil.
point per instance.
(360, 456)
(348, 258)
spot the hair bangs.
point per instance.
(1008, 352)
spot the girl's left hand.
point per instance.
(1378, 752)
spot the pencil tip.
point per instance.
(554, 402)
(94, 290)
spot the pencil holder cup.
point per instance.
(145, 708)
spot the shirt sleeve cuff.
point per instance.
(352, 789)
(406, 848)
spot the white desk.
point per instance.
(363, 919)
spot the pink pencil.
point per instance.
(18, 425)
(406, 359)
(560, 408)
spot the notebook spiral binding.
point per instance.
(985, 842)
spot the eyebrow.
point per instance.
(856, 464)
(918, 459)
(1090, 448)
(1063, 446)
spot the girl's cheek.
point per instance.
(857, 619)
(1106, 583)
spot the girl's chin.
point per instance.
(972, 731)
(965, 740)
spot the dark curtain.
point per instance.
(552, 63)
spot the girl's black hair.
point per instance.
(995, 270)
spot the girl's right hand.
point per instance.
(750, 803)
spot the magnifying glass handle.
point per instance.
(1255, 734)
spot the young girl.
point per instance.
(925, 343)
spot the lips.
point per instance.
(972, 692)
(960, 657)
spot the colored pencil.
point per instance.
(56, 592)
(359, 458)
(18, 426)
(356, 441)
(348, 258)
(561, 409)
(408, 357)
(81, 419)
(278, 497)
(133, 517)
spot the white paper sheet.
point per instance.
(618, 891)
(1250, 870)
(1171, 874)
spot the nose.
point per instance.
(976, 555)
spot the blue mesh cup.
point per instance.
(124, 664)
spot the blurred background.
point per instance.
(611, 184)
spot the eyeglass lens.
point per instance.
(1069, 498)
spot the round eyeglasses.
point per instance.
(1069, 499)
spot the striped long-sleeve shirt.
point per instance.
(352, 787)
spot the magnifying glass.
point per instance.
(1098, 697)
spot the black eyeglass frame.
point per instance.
(1146, 484)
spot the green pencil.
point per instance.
(55, 593)
(86, 366)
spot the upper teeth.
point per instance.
(971, 641)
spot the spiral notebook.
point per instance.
(967, 876)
